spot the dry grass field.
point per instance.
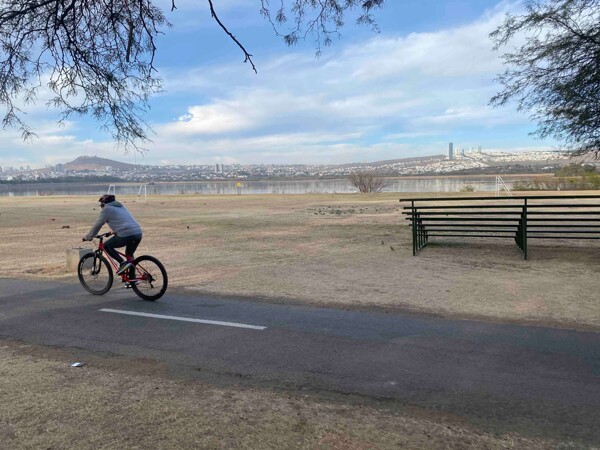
(346, 251)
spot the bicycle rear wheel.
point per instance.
(150, 282)
(95, 274)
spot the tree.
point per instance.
(367, 182)
(96, 57)
(327, 13)
(554, 72)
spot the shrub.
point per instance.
(367, 182)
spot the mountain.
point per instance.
(95, 163)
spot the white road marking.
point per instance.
(185, 319)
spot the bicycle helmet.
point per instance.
(106, 198)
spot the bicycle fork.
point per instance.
(97, 264)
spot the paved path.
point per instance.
(513, 378)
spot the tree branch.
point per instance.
(248, 56)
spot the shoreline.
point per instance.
(453, 184)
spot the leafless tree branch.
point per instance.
(248, 56)
(96, 57)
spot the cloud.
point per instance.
(456, 53)
(210, 119)
(391, 96)
(390, 87)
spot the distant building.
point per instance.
(479, 149)
(451, 150)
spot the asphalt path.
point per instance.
(532, 380)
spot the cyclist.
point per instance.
(127, 232)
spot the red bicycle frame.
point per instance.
(125, 275)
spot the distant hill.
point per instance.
(95, 163)
(417, 159)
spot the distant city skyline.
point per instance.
(422, 82)
(452, 153)
(431, 164)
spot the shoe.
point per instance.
(123, 267)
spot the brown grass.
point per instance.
(350, 251)
(336, 250)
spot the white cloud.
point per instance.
(461, 52)
(388, 97)
(210, 119)
(386, 88)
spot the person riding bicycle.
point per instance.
(127, 232)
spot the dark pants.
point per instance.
(130, 243)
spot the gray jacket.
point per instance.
(118, 218)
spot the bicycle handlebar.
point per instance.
(101, 236)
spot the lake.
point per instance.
(340, 185)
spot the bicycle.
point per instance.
(147, 277)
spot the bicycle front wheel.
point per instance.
(95, 274)
(150, 282)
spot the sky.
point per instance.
(423, 81)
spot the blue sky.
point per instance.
(423, 81)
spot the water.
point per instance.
(426, 184)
